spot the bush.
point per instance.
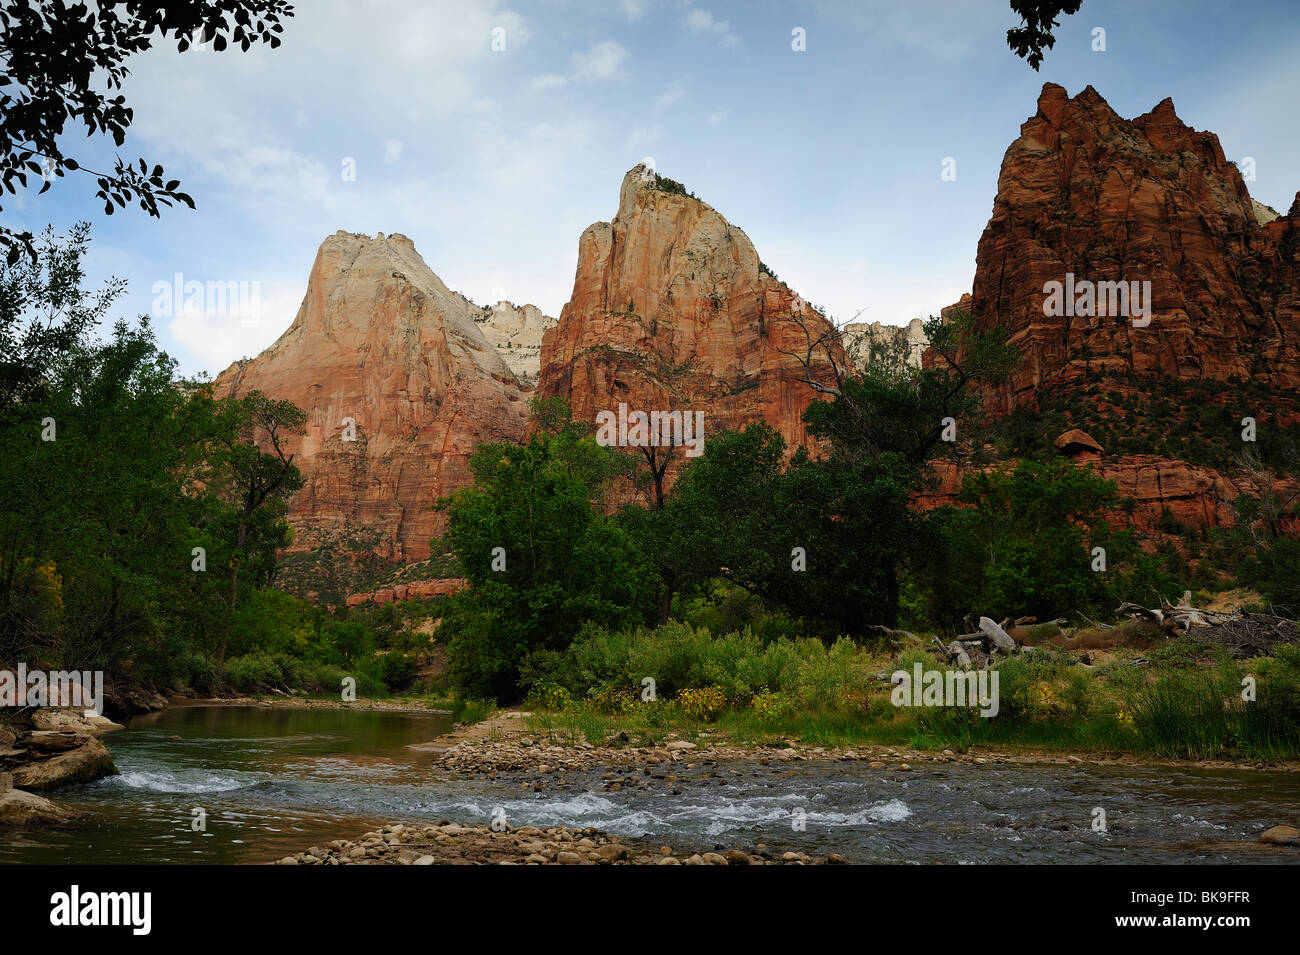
(396, 669)
(702, 704)
(253, 670)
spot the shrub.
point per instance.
(704, 703)
(246, 673)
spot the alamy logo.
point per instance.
(74, 907)
(654, 429)
(75, 689)
(946, 688)
(212, 299)
(1086, 299)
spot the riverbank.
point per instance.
(400, 705)
(515, 742)
(448, 843)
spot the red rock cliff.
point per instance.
(1087, 192)
(381, 340)
(671, 310)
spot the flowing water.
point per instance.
(273, 780)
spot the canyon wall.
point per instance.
(672, 309)
(380, 340)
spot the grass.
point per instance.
(1187, 703)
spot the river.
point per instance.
(275, 780)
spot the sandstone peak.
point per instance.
(1088, 194)
(866, 342)
(516, 332)
(399, 382)
(671, 309)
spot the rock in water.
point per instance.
(83, 764)
(18, 808)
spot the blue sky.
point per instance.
(493, 162)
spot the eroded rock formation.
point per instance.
(864, 342)
(672, 310)
(515, 331)
(1086, 193)
(381, 342)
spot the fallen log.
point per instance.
(996, 634)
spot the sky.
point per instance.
(493, 134)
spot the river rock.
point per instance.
(1281, 836)
(53, 719)
(18, 808)
(86, 763)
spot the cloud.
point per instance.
(393, 150)
(670, 95)
(214, 340)
(643, 136)
(604, 61)
(600, 63)
(548, 81)
(718, 117)
(704, 23)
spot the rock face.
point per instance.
(1191, 494)
(672, 310)
(1085, 192)
(380, 340)
(416, 589)
(515, 331)
(903, 344)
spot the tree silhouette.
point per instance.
(53, 58)
(1038, 19)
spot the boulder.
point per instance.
(80, 721)
(1281, 836)
(85, 763)
(19, 809)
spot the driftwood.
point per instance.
(1246, 634)
(999, 636)
(977, 650)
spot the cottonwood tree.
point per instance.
(249, 475)
(62, 62)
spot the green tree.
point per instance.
(1019, 544)
(62, 62)
(109, 468)
(257, 483)
(541, 557)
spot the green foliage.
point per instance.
(1274, 570)
(1019, 544)
(670, 186)
(565, 562)
(1037, 21)
(114, 474)
(63, 63)
(611, 666)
